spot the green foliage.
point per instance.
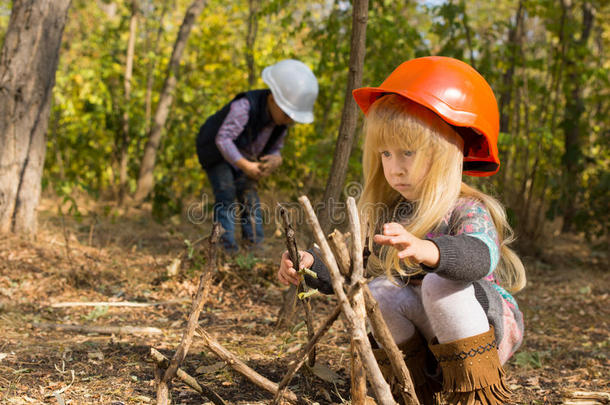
(96, 313)
(246, 261)
(531, 68)
(530, 359)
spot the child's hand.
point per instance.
(287, 274)
(270, 163)
(408, 245)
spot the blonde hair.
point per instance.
(396, 121)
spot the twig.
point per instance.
(198, 302)
(365, 299)
(57, 393)
(358, 386)
(300, 359)
(338, 245)
(116, 304)
(384, 336)
(163, 362)
(293, 252)
(232, 361)
(380, 387)
(104, 330)
(359, 379)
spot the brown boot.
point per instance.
(418, 359)
(472, 373)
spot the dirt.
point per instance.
(111, 255)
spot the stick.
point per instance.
(336, 240)
(380, 387)
(293, 252)
(384, 336)
(357, 377)
(198, 302)
(330, 319)
(378, 324)
(104, 330)
(239, 366)
(163, 362)
(116, 304)
(358, 386)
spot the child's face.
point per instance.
(277, 114)
(401, 172)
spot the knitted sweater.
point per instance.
(469, 251)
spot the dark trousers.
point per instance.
(236, 201)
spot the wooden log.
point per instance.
(236, 364)
(379, 385)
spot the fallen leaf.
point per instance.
(212, 368)
(325, 373)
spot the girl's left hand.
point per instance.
(408, 245)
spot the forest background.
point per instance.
(546, 61)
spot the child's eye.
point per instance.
(409, 153)
(385, 153)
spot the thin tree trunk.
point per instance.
(145, 178)
(124, 151)
(251, 40)
(33, 40)
(151, 70)
(468, 37)
(573, 126)
(507, 87)
(349, 117)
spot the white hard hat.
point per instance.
(294, 88)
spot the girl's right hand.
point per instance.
(287, 274)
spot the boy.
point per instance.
(241, 143)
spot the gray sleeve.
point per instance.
(462, 258)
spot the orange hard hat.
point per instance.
(458, 94)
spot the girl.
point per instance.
(439, 247)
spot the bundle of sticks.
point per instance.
(355, 302)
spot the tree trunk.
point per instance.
(124, 151)
(150, 76)
(514, 44)
(33, 40)
(349, 116)
(145, 178)
(573, 126)
(251, 40)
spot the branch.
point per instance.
(338, 245)
(104, 330)
(380, 387)
(239, 366)
(330, 319)
(198, 302)
(163, 362)
(384, 336)
(116, 304)
(359, 382)
(293, 252)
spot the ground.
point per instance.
(110, 255)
